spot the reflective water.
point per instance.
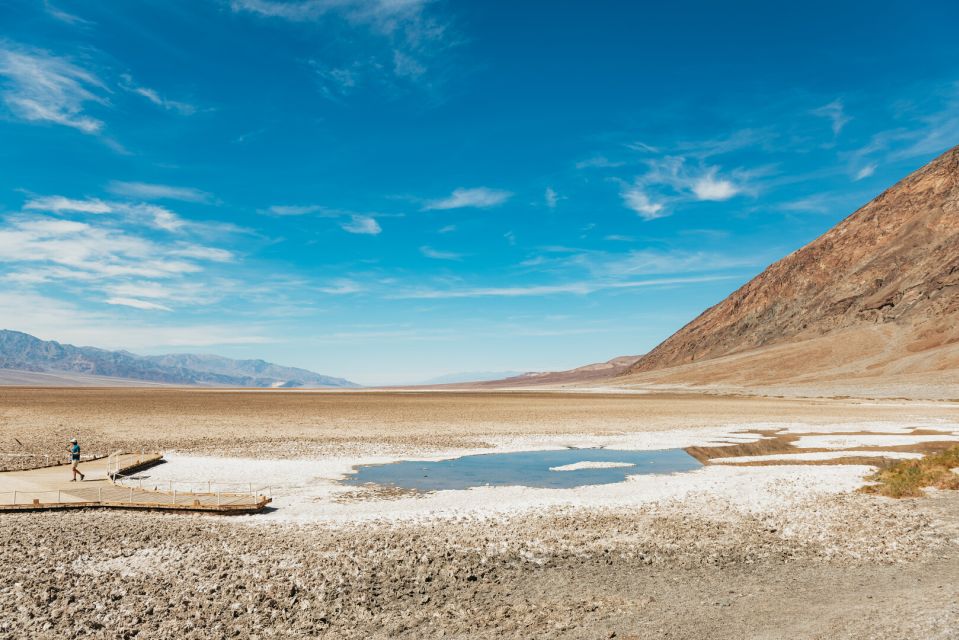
(524, 468)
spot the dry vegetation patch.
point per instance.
(907, 478)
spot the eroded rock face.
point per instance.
(894, 262)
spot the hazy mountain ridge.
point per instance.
(23, 352)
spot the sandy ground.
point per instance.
(722, 552)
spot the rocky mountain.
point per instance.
(25, 353)
(876, 295)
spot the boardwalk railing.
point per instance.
(204, 487)
(126, 490)
(118, 496)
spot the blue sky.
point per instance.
(391, 190)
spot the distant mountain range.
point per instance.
(25, 353)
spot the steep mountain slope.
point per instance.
(26, 353)
(880, 288)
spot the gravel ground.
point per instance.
(852, 566)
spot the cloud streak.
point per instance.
(147, 191)
(670, 181)
(577, 288)
(143, 305)
(152, 96)
(436, 254)
(835, 112)
(476, 198)
(362, 225)
(44, 88)
(635, 198)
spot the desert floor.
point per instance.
(782, 551)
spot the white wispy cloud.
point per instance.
(364, 225)
(436, 254)
(580, 288)
(709, 187)
(139, 289)
(338, 82)
(99, 247)
(671, 181)
(341, 287)
(614, 265)
(199, 252)
(409, 39)
(153, 215)
(151, 95)
(835, 112)
(866, 171)
(58, 204)
(138, 304)
(636, 199)
(41, 87)
(148, 191)
(551, 197)
(638, 145)
(90, 250)
(63, 16)
(305, 10)
(295, 210)
(703, 150)
(598, 162)
(479, 198)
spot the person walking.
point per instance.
(75, 459)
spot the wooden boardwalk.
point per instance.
(50, 488)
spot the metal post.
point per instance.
(218, 498)
(99, 494)
(174, 496)
(131, 494)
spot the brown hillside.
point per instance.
(888, 275)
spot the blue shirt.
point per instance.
(75, 452)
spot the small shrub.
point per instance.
(907, 478)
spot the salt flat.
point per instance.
(724, 548)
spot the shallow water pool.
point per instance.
(560, 469)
